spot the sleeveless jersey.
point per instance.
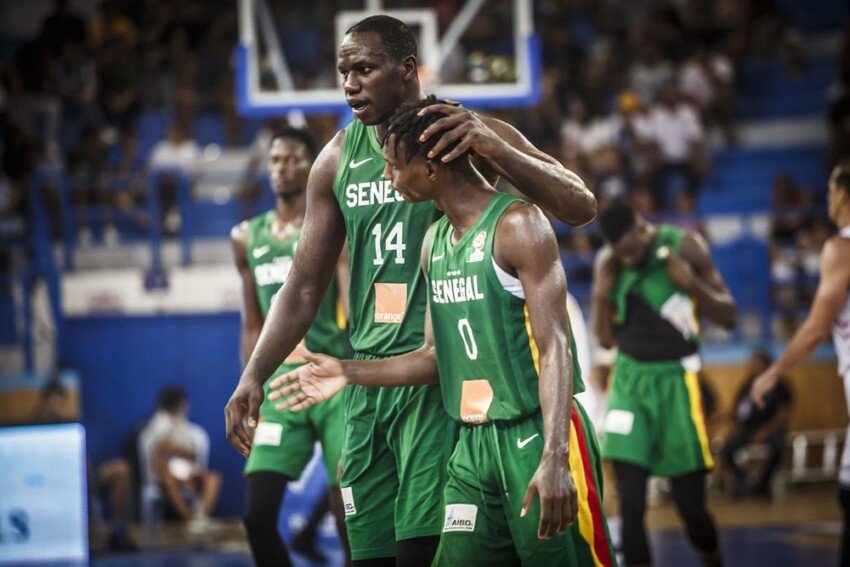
(270, 260)
(486, 353)
(385, 234)
(663, 298)
(841, 330)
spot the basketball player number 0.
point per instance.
(469, 344)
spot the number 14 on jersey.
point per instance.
(393, 242)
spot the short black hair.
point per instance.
(396, 36)
(171, 396)
(407, 126)
(298, 135)
(54, 386)
(617, 220)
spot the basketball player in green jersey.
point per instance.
(498, 331)
(396, 441)
(648, 282)
(264, 249)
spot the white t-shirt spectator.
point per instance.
(676, 131)
(597, 134)
(646, 80)
(185, 155)
(696, 83)
(164, 426)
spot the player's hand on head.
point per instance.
(463, 126)
(553, 483)
(241, 415)
(680, 271)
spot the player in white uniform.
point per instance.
(830, 308)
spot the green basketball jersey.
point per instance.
(270, 260)
(486, 353)
(651, 282)
(385, 234)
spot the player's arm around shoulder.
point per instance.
(540, 176)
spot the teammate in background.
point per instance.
(498, 331)
(264, 250)
(830, 309)
(397, 440)
(648, 281)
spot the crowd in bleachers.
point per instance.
(635, 94)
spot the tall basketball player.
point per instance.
(397, 440)
(830, 309)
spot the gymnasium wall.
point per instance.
(123, 361)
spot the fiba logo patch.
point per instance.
(460, 518)
(478, 247)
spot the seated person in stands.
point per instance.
(765, 426)
(175, 451)
(113, 478)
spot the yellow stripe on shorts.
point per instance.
(697, 416)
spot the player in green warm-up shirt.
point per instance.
(396, 441)
(264, 248)
(498, 332)
(648, 282)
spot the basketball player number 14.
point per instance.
(393, 243)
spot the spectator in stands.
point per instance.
(72, 77)
(174, 454)
(86, 169)
(120, 77)
(679, 135)
(61, 28)
(181, 156)
(54, 404)
(635, 137)
(707, 79)
(766, 426)
(651, 72)
(113, 478)
(126, 170)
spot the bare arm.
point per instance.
(526, 245)
(706, 284)
(829, 298)
(295, 306)
(252, 317)
(343, 279)
(605, 272)
(508, 153)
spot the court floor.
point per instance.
(802, 529)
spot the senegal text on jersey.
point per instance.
(455, 290)
(371, 193)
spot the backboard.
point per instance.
(483, 54)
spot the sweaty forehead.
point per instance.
(362, 45)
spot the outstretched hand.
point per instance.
(318, 381)
(762, 386)
(463, 126)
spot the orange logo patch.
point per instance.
(475, 399)
(390, 302)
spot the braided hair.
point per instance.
(406, 126)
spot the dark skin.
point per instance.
(375, 85)
(289, 165)
(524, 246)
(692, 269)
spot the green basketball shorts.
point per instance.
(396, 446)
(655, 418)
(489, 473)
(284, 440)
